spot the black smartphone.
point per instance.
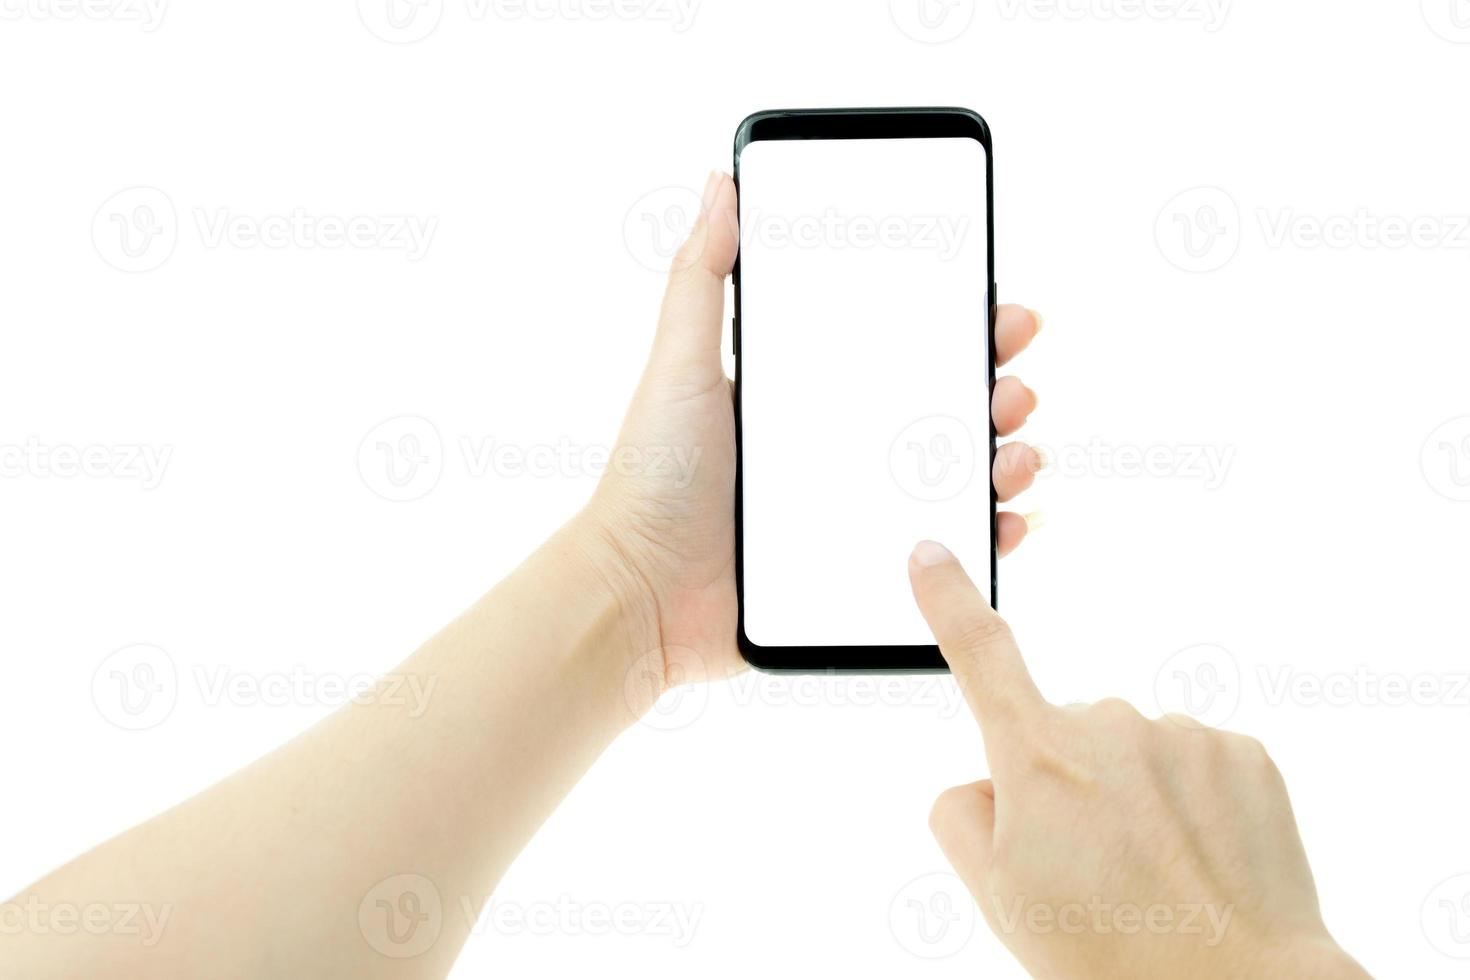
(864, 362)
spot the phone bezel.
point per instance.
(895, 123)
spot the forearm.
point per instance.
(266, 873)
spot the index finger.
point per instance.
(976, 642)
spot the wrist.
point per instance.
(1312, 958)
(626, 646)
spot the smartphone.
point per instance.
(864, 362)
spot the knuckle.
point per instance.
(1117, 711)
(980, 632)
(1176, 721)
(1245, 750)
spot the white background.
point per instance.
(1331, 542)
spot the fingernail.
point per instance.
(711, 188)
(1035, 521)
(927, 553)
(1035, 399)
(1043, 458)
(1040, 320)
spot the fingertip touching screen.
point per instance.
(863, 368)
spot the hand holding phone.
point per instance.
(675, 527)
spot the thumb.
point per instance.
(963, 822)
(687, 347)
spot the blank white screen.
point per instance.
(865, 408)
